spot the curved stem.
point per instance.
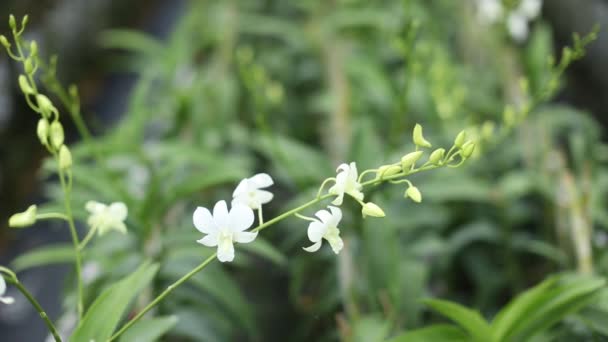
(260, 215)
(323, 185)
(38, 308)
(87, 238)
(160, 297)
(48, 216)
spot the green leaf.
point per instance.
(132, 41)
(544, 305)
(103, 316)
(370, 329)
(149, 330)
(437, 332)
(264, 249)
(468, 319)
(53, 254)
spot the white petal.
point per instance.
(241, 217)
(220, 215)
(261, 180)
(263, 196)
(225, 251)
(94, 207)
(242, 188)
(353, 173)
(342, 168)
(203, 220)
(209, 240)
(338, 200)
(7, 300)
(2, 286)
(336, 215)
(324, 216)
(356, 194)
(118, 211)
(119, 226)
(316, 230)
(244, 237)
(313, 248)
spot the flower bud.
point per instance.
(23, 219)
(371, 209)
(387, 171)
(437, 156)
(24, 21)
(419, 138)
(12, 22)
(467, 149)
(25, 85)
(410, 159)
(28, 66)
(460, 139)
(42, 130)
(4, 41)
(33, 48)
(56, 134)
(65, 158)
(413, 193)
(45, 105)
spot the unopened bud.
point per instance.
(460, 139)
(4, 41)
(12, 22)
(371, 209)
(33, 48)
(65, 158)
(413, 193)
(56, 135)
(42, 130)
(45, 105)
(23, 219)
(410, 159)
(467, 149)
(24, 21)
(25, 85)
(387, 171)
(28, 66)
(437, 156)
(419, 138)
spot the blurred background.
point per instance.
(185, 98)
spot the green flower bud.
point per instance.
(25, 85)
(12, 22)
(42, 130)
(24, 21)
(413, 193)
(28, 66)
(56, 134)
(387, 171)
(4, 41)
(460, 139)
(65, 158)
(467, 149)
(371, 209)
(33, 48)
(45, 105)
(437, 156)
(487, 129)
(419, 138)
(410, 159)
(23, 219)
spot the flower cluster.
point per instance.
(517, 19)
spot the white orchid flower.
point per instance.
(346, 183)
(107, 217)
(530, 8)
(489, 11)
(249, 192)
(223, 228)
(326, 227)
(517, 24)
(3, 298)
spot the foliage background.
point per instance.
(295, 88)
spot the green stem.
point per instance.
(38, 308)
(87, 238)
(75, 240)
(160, 297)
(48, 216)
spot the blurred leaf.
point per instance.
(264, 249)
(149, 330)
(432, 333)
(46, 255)
(370, 328)
(471, 321)
(103, 315)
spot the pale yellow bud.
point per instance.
(23, 219)
(371, 209)
(413, 193)
(45, 105)
(56, 135)
(4, 41)
(467, 149)
(42, 130)
(65, 158)
(12, 23)
(419, 138)
(25, 85)
(437, 156)
(33, 48)
(460, 139)
(28, 66)
(387, 171)
(410, 159)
